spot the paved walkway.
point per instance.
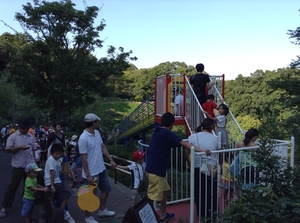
(119, 199)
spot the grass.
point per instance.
(120, 106)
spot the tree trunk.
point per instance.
(59, 113)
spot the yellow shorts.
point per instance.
(157, 186)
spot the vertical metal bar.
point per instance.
(292, 151)
(192, 179)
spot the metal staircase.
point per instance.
(142, 119)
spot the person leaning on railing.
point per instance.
(159, 153)
(206, 185)
(244, 166)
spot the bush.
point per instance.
(276, 198)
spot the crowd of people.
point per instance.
(50, 151)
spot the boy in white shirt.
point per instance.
(52, 180)
(138, 176)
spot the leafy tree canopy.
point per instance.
(57, 65)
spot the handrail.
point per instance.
(232, 116)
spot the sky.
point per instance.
(229, 37)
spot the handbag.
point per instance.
(204, 169)
(207, 169)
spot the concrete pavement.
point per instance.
(119, 199)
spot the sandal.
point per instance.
(2, 214)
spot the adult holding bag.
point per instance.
(206, 169)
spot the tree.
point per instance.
(10, 44)
(57, 66)
(295, 34)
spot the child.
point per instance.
(31, 186)
(209, 106)
(37, 154)
(227, 180)
(137, 174)
(52, 179)
(72, 155)
(221, 124)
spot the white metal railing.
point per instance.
(182, 179)
(223, 191)
(177, 174)
(194, 114)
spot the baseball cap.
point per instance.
(91, 117)
(32, 166)
(137, 155)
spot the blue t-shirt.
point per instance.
(158, 155)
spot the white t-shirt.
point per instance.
(37, 154)
(221, 122)
(136, 172)
(55, 165)
(178, 102)
(206, 141)
(91, 144)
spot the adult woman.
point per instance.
(206, 186)
(244, 166)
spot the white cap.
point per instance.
(91, 117)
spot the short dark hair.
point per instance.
(57, 148)
(200, 67)
(225, 107)
(167, 119)
(70, 146)
(56, 124)
(207, 124)
(210, 97)
(88, 124)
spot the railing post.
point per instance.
(192, 179)
(292, 151)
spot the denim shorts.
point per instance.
(62, 193)
(27, 207)
(102, 181)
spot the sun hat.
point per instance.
(32, 166)
(73, 137)
(137, 155)
(91, 117)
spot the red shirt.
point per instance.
(209, 107)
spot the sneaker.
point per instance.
(167, 217)
(106, 212)
(68, 217)
(90, 219)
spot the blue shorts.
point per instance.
(102, 181)
(27, 207)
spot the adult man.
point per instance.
(158, 157)
(91, 148)
(57, 136)
(22, 145)
(178, 103)
(201, 83)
